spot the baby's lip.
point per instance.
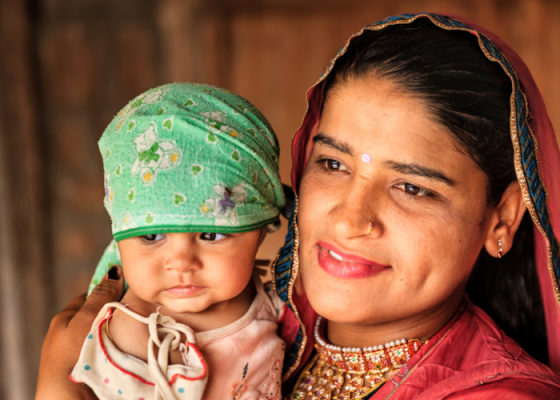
(184, 290)
(186, 285)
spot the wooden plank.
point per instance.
(24, 262)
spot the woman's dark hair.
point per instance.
(470, 96)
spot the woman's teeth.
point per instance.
(336, 256)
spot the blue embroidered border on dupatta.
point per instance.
(529, 158)
(282, 276)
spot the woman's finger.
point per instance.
(109, 290)
(76, 303)
(60, 320)
(64, 340)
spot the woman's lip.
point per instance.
(350, 257)
(184, 291)
(351, 267)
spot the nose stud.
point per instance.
(370, 227)
(366, 158)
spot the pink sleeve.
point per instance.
(510, 389)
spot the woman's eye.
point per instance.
(411, 189)
(153, 238)
(211, 236)
(414, 190)
(334, 165)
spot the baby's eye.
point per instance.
(153, 238)
(211, 236)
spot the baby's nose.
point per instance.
(184, 264)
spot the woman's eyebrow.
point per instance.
(415, 169)
(333, 143)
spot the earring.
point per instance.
(370, 227)
(500, 250)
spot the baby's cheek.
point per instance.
(239, 283)
(144, 286)
(234, 284)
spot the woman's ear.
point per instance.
(504, 221)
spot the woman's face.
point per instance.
(392, 209)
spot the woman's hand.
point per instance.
(66, 335)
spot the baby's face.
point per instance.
(189, 272)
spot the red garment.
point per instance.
(470, 357)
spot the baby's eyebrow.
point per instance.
(332, 143)
(415, 169)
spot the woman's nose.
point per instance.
(357, 213)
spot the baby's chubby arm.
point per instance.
(64, 340)
(129, 335)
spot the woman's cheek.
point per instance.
(315, 195)
(441, 255)
(418, 240)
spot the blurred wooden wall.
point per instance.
(26, 290)
(78, 62)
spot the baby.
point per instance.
(191, 185)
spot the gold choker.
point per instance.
(341, 373)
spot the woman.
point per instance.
(410, 192)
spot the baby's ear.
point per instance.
(273, 227)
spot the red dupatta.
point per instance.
(537, 160)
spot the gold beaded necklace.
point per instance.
(343, 373)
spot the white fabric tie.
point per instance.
(166, 327)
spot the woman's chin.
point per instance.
(349, 307)
(352, 315)
(350, 299)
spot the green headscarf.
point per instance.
(189, 158)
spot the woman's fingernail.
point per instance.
(114, 273)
